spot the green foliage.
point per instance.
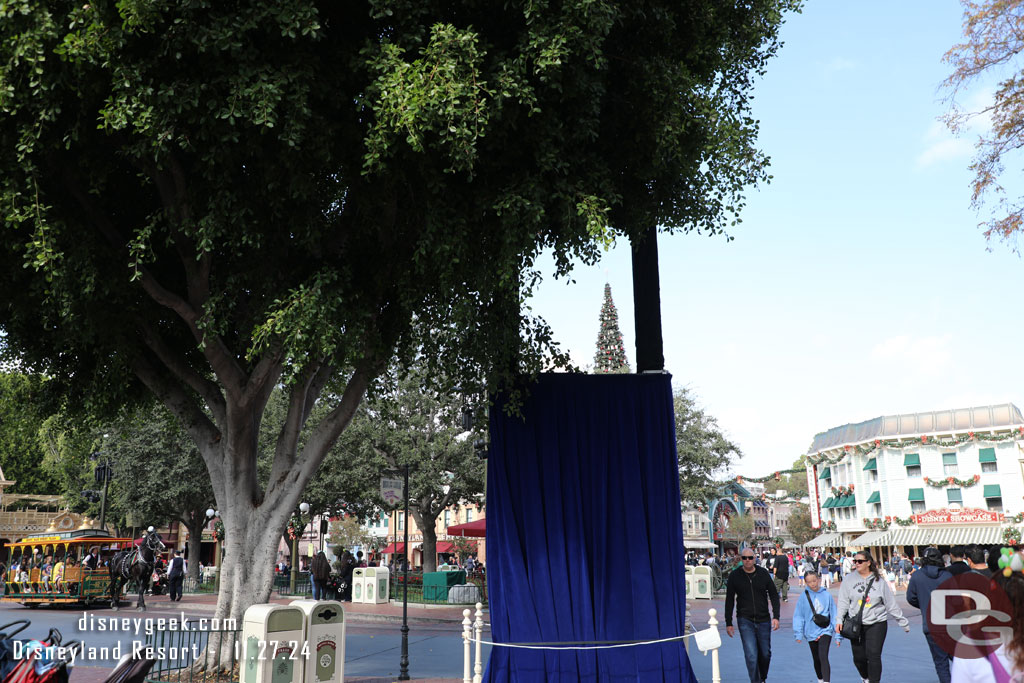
(741, 529)
(345, 533)
(795, 485)
(800, 524)
(703, 449)
(24, 407)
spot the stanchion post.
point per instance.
(686, 629)
(478, 629)
(467, 636)
(716, 672)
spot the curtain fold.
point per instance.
(584, 532)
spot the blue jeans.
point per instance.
(317, 590)
(757, 647)
(941, 658)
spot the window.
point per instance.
(994, 504)
(874, 476)
(448, 518)
(917, 506)
(469, 514)
(401, 521)
(385, 518)
(988, 467)
(954, 496)
(876, 509)
(949, 467)
(913, 471)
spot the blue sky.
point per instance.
(858, 284)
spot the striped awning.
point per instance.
(874, 537)
(698, 543)
(987, 535)
(826, 540)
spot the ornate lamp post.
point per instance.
(303, 510)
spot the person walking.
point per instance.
(780, 568)
(175, 576)
(977, 561)
(319, 574)
(1006, 664)
(751, 588)
(847, 563)
(814, 621)
(865, 588)
(932, 574)
(824, 572)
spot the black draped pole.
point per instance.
(650, 355)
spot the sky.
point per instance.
(858, 283)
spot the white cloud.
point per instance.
(925, 355)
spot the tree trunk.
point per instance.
(195, 540)
(426, 523)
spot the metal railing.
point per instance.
(184, 656)
(452, 596)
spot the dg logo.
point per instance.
(970, 616)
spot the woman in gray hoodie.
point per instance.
(879, 603)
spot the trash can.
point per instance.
(273, 637)
(376, 585)
(358, 584)
(325, 638)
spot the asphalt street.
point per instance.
(372, 649)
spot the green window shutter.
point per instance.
(954, 495)
(874, 498)
(871, 465)
(993, 491)
(915, 494)
(911, 459)
(949, 458)
(987, 455)
(825, 474)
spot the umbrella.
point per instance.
(477, 529)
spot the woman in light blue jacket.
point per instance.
(804, 628)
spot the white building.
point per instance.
(904, 482)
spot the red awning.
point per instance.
(477, 529)
(393, 548)
(445, 546)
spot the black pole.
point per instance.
(650, 354)
(403, 670)
(105, 469)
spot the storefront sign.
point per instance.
(392, 491)
(812, 487)
(965, 516)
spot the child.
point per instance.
(816, 601)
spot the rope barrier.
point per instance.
(583, 645)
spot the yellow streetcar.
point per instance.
(71, 579)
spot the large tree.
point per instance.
(992, 48)
(417, 426)
(205, 201)
(704, 451)
(24, 407)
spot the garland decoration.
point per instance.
(904, 521)
(218, 530)
(295, 527)
(778, 540)
(774, 476)
(842, 491)
(953, 481)
(864, 449)
(1011, 535)
(829, 525)
(877, 523)
(1015, 519)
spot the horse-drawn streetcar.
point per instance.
(70, 578)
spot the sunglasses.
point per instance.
(746, 557)
(859, 561)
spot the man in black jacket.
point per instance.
(780, 568)
(930, 576)
(175, 576)
(958, 560)
(751, 587)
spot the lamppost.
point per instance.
(403, 665)
(303, 510)
(210, 514)
(103, 473)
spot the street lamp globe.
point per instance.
(304, 508)
(209, 513)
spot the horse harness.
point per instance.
(135, 557)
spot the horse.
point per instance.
(135, 566)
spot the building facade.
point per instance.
(903, 482)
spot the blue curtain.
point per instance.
(584, 534)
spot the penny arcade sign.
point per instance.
(964, 516)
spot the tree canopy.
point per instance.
(204, 200)
(24, 407)
(992, 47)
(703, 450)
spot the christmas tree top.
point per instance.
(611, 354)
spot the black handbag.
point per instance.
(820, 620)
(853, 627)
